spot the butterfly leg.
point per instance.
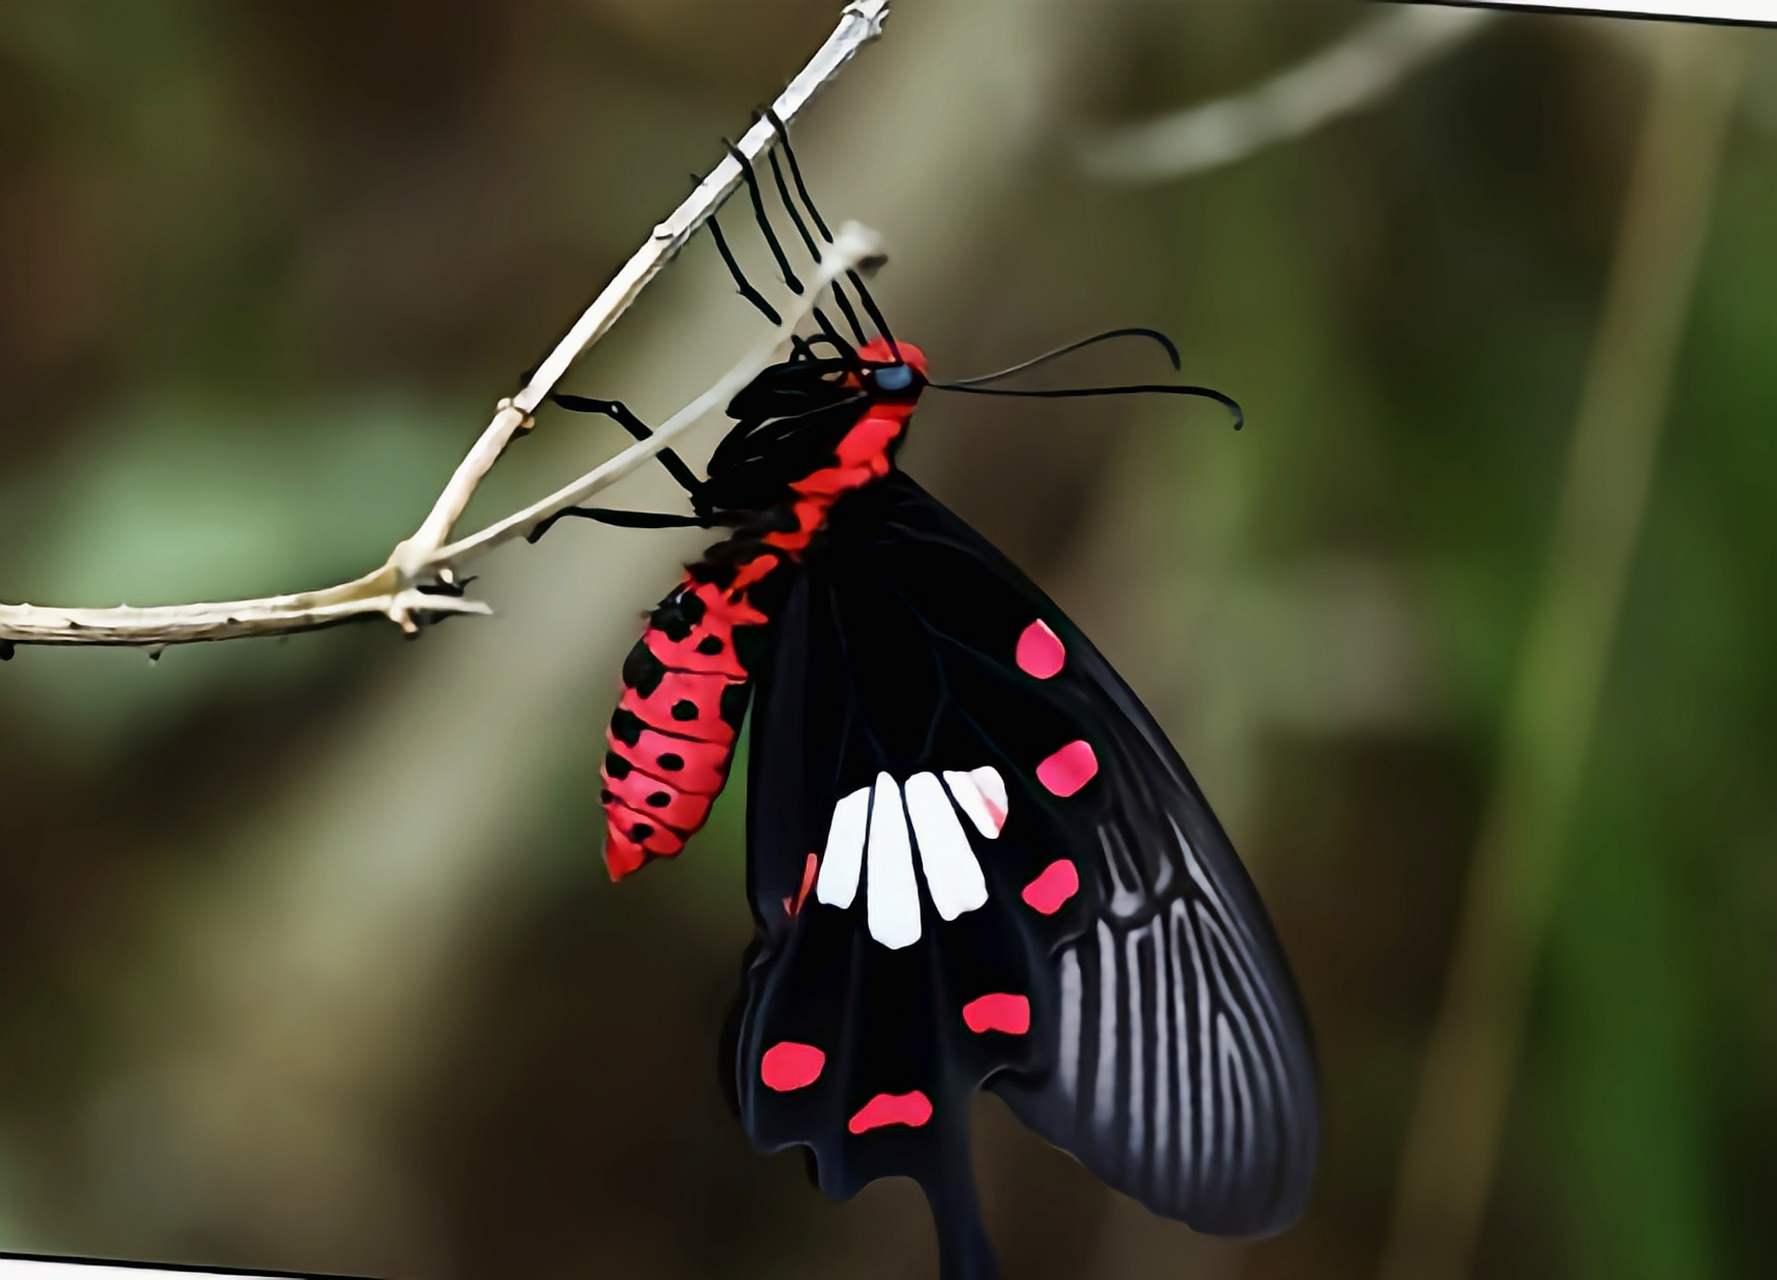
(777, 249)
(783, 142)
(764, 221)
(741, 282)
(808, 240)
(757, 299)
(801, 225)
(857, 283)
(619, 413)
(625, 520)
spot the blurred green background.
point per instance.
(307, 958)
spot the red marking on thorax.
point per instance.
(1040, 651)
(1059, 881)
(998, 1011)
(788, 1065)
(912, 1109)
(1069, 769)
(862, 456)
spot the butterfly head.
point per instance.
(892, 371)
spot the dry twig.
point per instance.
(419, 577)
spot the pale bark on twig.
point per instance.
(419, 577)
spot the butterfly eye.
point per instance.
(894, 377)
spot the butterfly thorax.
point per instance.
(804, 440)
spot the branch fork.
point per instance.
(420, 578)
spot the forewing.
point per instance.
(1099, 958)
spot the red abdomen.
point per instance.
(672, 737)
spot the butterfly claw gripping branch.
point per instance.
(418, 580)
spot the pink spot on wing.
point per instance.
(1059, 882)
(1069, 769)
(998, 1012)
(788, 1065)
(1040, 651)
(996, 816)
(912, 1109)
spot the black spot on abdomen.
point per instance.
(626, 726)
(734, 704)
(642, 671)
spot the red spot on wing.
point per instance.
(912, 1109)
(998, 1011)
(1059, 882)
(788, 1065)
(1069, 769)
(1040, 651)
(793, 906)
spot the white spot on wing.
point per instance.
(952, 874)
(993, 790)
(844, 858)
(981, 794)
(892, 893)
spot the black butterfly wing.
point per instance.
(1095, 952)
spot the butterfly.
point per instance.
(973, 859)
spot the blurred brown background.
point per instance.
(307, 959)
